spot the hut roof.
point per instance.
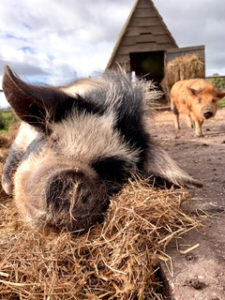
(145, 11)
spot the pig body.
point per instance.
(197, 99)
(77, 145)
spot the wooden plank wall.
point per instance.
(146, 32)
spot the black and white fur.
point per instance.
(94, 128)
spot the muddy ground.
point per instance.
(200, 274)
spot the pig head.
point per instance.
(197, 99)
(77, 146)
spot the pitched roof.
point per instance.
(132, 22)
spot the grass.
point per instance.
(6, 119)
(221, 103)
(219, 83)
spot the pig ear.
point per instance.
(34, 104)
(220, 93)
(194, 92)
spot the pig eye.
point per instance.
(213, 100)
(199, 100)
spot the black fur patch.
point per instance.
(13, 159)
(127, 102)
(79, 104)
(113, 171)
(38, 105)
(63, 106)
(174, 109)
(129, 116)
(35, 146)
(133, 132)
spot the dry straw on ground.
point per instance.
(114, 260)
(117, 259)
(180, 68)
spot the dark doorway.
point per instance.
(149, 65)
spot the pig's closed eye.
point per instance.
(111, 168)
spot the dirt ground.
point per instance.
(200, 274)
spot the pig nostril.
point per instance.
(86, 198)
(208, 114)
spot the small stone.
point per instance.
(196, 284)
(190, 257)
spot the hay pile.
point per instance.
(180, 68)
(117, 259)
(114, 260)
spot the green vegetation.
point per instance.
(221, 103)
(6, 119)
(219, 83)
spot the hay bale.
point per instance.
(114, 260)
(180, 68)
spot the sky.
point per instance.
(54, 42)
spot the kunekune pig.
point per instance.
(77, 145)
(197, 99)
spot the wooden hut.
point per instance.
(145, 44)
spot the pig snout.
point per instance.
(65, 186)
(74, 199)
(208, 114)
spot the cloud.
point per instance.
(52, 34)
(3, 101)
(199, 22)
(54, 42)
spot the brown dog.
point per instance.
(196, 98)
